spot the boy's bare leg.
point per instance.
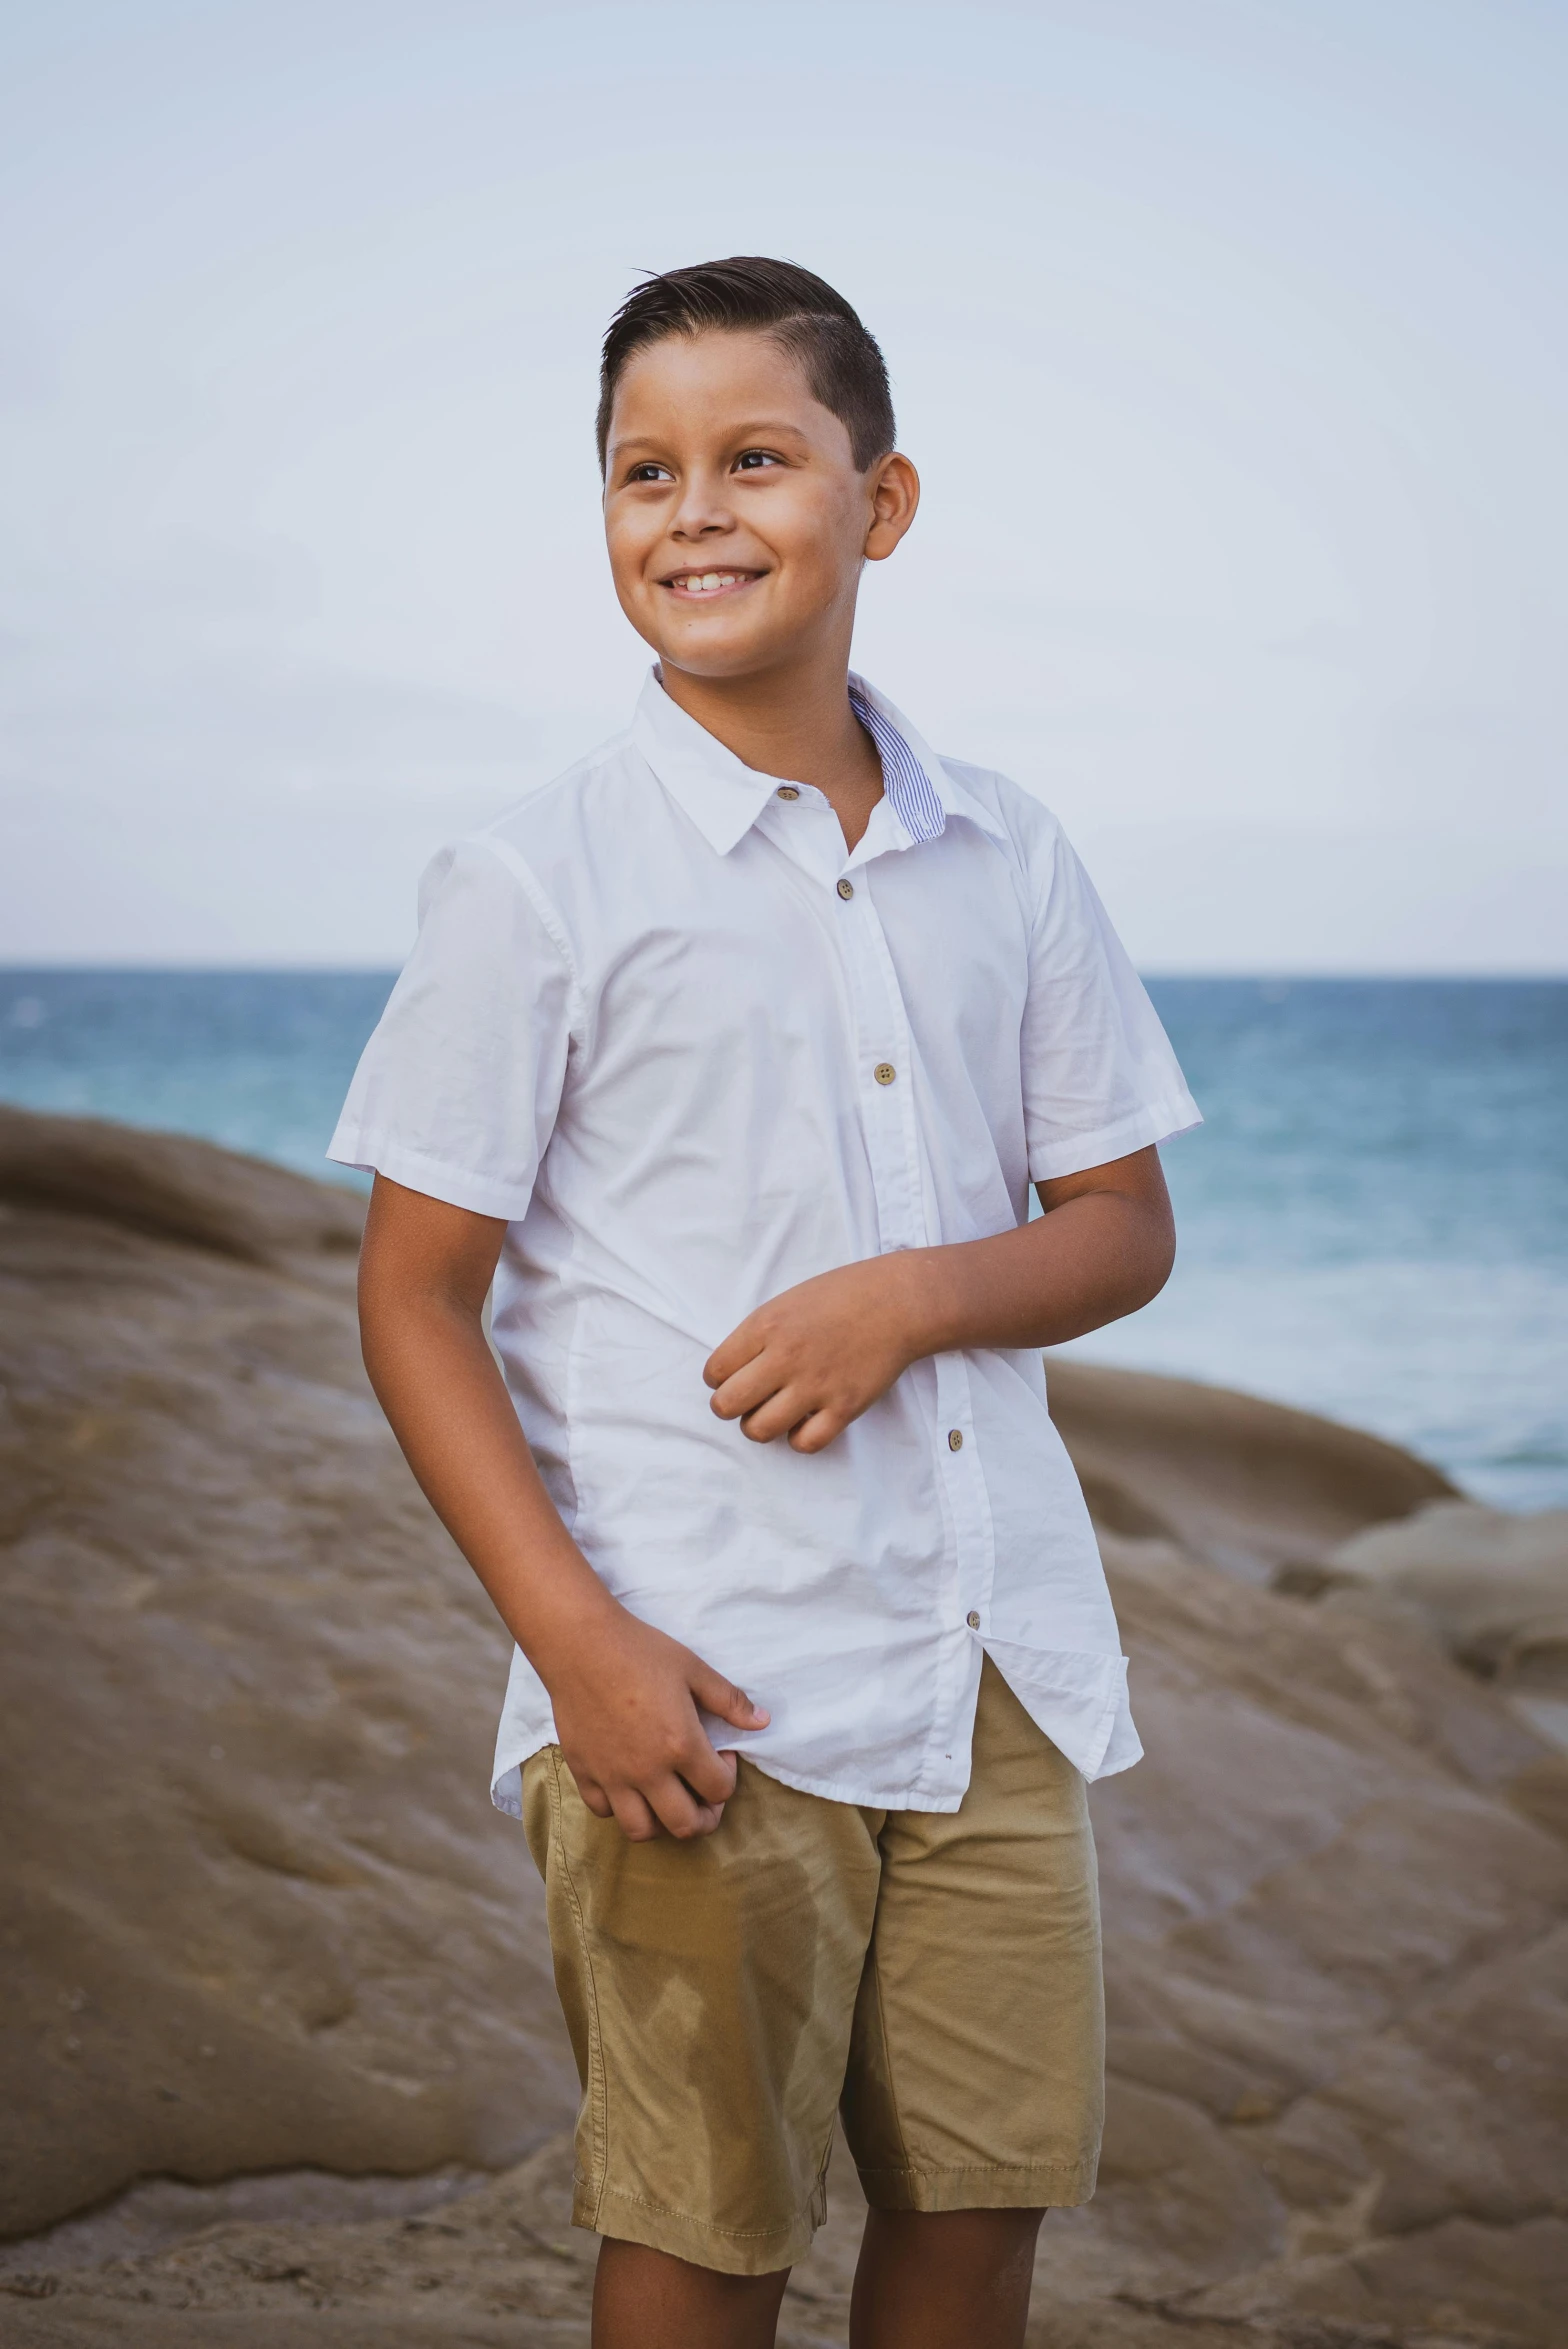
(646, 2299)
(945, 2279)
(955, 2279)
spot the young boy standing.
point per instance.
(729, 1058)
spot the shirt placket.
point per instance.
(885, 1076)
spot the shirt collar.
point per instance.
(918, 777)
(724, 797)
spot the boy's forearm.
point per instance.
(813, 1358)
(447, 1404)
(628, 1700)
(1086, 1262)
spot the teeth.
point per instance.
(707, 582)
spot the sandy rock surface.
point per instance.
(249, 1704)
(1493, 1588)
(279, 2018)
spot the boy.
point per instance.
(730, 1057)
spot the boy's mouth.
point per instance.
(702, 586)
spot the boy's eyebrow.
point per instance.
(769, 428)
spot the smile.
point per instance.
(705, 583)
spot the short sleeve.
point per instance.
(457, 1091)
(1099, 1077)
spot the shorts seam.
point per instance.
(887, 2047)
(686, 2218)
(597, 2098)
(1001, 2185)
(978, 2169)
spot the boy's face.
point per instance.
(736, 520)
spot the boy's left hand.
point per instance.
(812, 1359)
(808, 1362)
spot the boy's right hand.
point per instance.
(626, 1699)
(625, 1695)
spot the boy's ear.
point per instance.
(895, 494)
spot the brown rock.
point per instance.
(1492, 1587)
(249, 1698)
(1323, 1910)
(1245, 1484)
(1334, 1900)
(175, 1188)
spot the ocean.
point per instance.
(1373, 1218)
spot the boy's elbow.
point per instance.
(1157, 1256)
(378, 1322)
(1164, 1260)
(411, 1309)
(1160, 1270)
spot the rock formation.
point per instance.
(273, 1967)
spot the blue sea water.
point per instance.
(1374, 1217)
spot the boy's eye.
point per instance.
(649, 472)
(751, 460)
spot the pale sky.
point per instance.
(1228, 337)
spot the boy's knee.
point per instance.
(648, 2299)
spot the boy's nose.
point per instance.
(702, 510)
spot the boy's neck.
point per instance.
(796, 723)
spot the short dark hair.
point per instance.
(840, 359)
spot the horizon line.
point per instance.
(1261, 974)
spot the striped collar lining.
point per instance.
(909, 788)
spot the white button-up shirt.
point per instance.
(694, 1051)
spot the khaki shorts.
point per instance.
(936, 1976)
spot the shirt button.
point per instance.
(788, 791)
(884, 1072)
(973, 1620)
(846, 890)
(955, 1439)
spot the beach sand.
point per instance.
(284, 2062)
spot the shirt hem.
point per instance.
(1053, 1706)
(1102, 1759)
(506, 1787)
(1113, 1763)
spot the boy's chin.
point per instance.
(716, 656)
(748, 639)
